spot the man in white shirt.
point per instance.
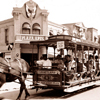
(44, 61)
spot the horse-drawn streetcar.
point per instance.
(69, 72)
(83, 70)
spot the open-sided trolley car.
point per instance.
(57, 77)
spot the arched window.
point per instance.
(26, 28)
(36, 29)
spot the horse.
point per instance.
(15, 69)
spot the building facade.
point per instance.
(92, 34)
(30, 23)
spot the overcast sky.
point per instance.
(61, 11)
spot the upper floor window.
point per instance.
(6, 36)
(95, 39)
(36, 29)
(26, 28)
(51, 32)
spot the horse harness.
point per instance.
(6, 68)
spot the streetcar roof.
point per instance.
(52, 41)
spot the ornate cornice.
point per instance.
(16, 12)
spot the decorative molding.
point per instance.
(45, 15)
(16, 14)
(30, 9)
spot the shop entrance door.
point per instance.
(30, 58)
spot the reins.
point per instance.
(4, 65)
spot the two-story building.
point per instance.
(30, 23)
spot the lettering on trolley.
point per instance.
(48, 72)
(46, 77)
(49, 83)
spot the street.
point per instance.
(91, 93)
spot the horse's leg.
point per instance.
(26, 91)
(22, 87)
(2, 79)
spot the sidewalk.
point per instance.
(8, 86)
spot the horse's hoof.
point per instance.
(27, 96)
(18, 99)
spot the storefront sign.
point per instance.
(30, 38)
(36, 38)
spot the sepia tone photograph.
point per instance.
(50, 49)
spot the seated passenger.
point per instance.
(90, 64)
(74, 64)
(39, 62)
(44, 61)
(68, 62)
(80, 65)
(97, 62)
(59, 61)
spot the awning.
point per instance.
(36, 27)
(26, 26)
